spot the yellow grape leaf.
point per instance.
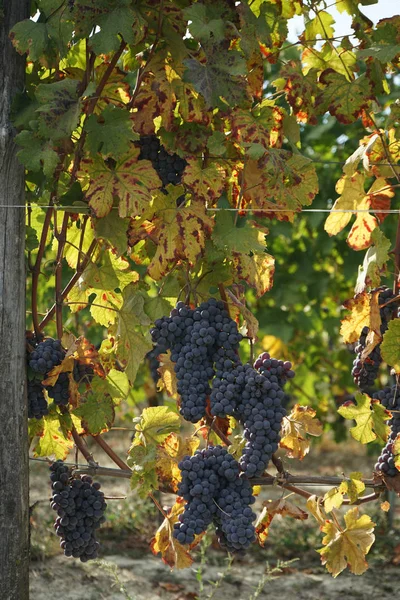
(295, 427)
(257, 270)
(205, 183)
(276, 507)
(364, 313)
(374, 263)
(262, 125)
(66, 366)
(167, 374)
(52, 442)
(275, 346)
(370, 417)
(354, 198)
(396, 451)
(316, 507)
(385, 506)
(178, 233)
(133, 181)
(390, 347)
(155, 424)
(347, 547)
(333, 499)
(173, 553)
(169, 454)
(353, 487)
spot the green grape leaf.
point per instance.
(143, 459)
(205, 21)
(97, 412)
(120, 21)
(110, 132)
(321, 25)
(230, 238)
(112, 229)
(116, 385)
(390, 347)
(133, 181)
(155, 424)
(370, 417)
(383, 52)
(30, 37)
(344, 99)
(36, 154)
(59, 108)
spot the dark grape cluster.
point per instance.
(154, 364)
(59, 392)
(37, 403)
(366, 371)
(46, 355)
(80, 507)
(389, 397)
(215, 492)
(82, 372)
(197, 338)
(280, 371)
(169, 167)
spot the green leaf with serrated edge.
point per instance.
(205, 21)
(110, 132)
(116, 385)
(353, 487)
(30, 37)
(112, 229)
(120, 21)
(113, 272)
(143, 460)
(59, 108)
(132, 181)
(35, 428)
(31, 239)
(333, 499)
(52, 442)
(156, 307)
(97, 413)
(344, 99)
(230, 238)
(382, 52)
(105, 310)
(390, 347)
(370, 417)
(67, 421)
(132, 343)
(216, 143)
(375, 259)
(36, 153)
(321, 25)
(155, 424)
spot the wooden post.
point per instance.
(14, 476)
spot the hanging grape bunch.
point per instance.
(204, 344)
(389, 397)
(80, 507)
(47, 355)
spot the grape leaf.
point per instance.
(142, 460)
(131, 180)
(257, 270)
(270, 509)
(205, 183)
(321, 25)
(172, 552)
(263, 125)
(31, 38)
(205, 21)
(353, 488)
(344, 99)
(97, 412)
(59, 108)
(295, 428)
(178, 233)
(301, 91)
(125, 21)
(36, 154)
(375, 259)
(365, 312)
(347, 547)
(113, 229)
(169, 454)
(154, 425)
(249, 237)
(370, 417)
(166, 370)
(333, 499)
(390, 347)
(353, 198)
(52, 442)
(110, 132)
(383, 52)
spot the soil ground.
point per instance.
(128, 570)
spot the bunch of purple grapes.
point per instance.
(389, 397)
(80, 507)
(215, 492)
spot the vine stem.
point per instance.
(80, 444)
(36, 271)
(110, 452)
(74, 279)
(61, 238)
(224, 298)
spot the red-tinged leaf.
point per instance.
(263, 125)
(296, 428)
(257, 270)
(205, 182)
(255, 78)
(133, 181)
(301, 91)
(364, 312)
(344, 99)
(276, 507)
